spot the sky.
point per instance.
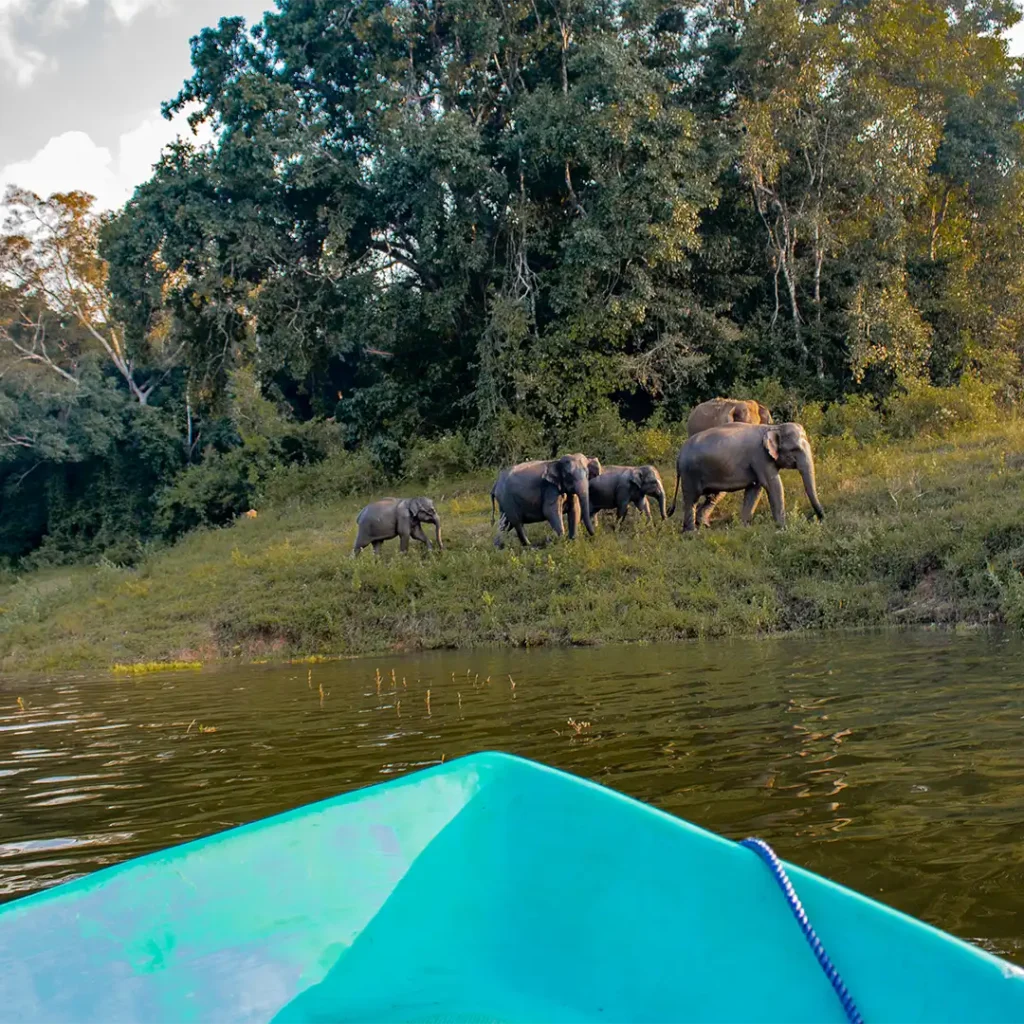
(81, 83)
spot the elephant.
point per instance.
(396, 517)
(535, 492)
(719, 412)
(744, 457)
(617, 486)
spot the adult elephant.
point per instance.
(719, 412)
(618, 486)
(744, 457)
(535, 492)
(396, 517)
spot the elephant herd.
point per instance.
(732, 445)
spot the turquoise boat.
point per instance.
(485, 889)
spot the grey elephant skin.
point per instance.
(743, 457)
(619, 486)
(720, 412)
(536, 492)
(396, 517)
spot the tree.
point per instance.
(54, 303)
(496, 199)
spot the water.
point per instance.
(891, 763)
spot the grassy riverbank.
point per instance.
(918, 533)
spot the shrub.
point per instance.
(509, 438)
(857, 418)
(922, 408)
(341, 473)
(783, 401)
(211, 493)
(602, 434)
(440, 458)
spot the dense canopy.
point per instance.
(498, 219)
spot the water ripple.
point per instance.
(874, 762)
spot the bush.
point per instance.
(510, 438)
(211, 493)
(857, 418)
(922, 408)
(341, 473)
(443, 457)
(602, 434)
(783, 401)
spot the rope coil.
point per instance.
(768, 855)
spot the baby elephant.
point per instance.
(617, 486)
(396, 517)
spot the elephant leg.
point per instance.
(621, 510)
(521, 534)
(357, 547)
(707, 506)
(403, 542)
(690, 521)
(645, 507)
(751, 496)
(377, 545)
(776, 498)
(417, 534)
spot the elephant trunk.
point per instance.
(806, 467)
(583, 493)
(660, 497)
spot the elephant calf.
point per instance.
(743, 457)
(396, 517)
(617, 486)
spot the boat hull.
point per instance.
(485, 889)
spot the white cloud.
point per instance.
(74, 161)
(125, 10)
(18, 61)
(1015, 37)
(56, 15)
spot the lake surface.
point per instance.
(892, 763)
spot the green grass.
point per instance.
(920, 532)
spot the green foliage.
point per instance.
(921, 409)
(443, 458)
(212, 493)
(340, 474)
(857, 418)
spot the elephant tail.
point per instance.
(492, 506)
(675, 495)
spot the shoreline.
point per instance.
(928, 534)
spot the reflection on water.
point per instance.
(890, 763)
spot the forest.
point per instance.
(437, 236)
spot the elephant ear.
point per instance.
(771, 444)
(765, 413)
(635, 477)
(418, 507)
(593, 468)
(554, 473)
